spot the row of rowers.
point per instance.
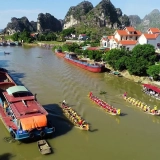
(141, 105)
(74, 116)
(103, 104)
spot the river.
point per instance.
(133, 136)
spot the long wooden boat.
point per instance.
(20, 113)
(108, 108)
(44, 147)
(74, 118)
(151, 90)
(59, 53)
(144, 107)
(95, 67)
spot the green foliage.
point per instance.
(116, 58)
(137, 66)
(154, 71)
(146, 52)
(136, 61)
(15, 37)
(72, 47)
(69, 31)
(25, 36)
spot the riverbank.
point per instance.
(134, 78)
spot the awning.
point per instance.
(30, 123)
(15, 89)
(153, 88)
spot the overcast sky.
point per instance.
(58, 9)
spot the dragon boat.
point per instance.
(108, 108)
(144, 107)
(74, 117)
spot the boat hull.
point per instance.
(96, 69)
(71, 119)
(105, 104)
(11, 117)
(60, 54)
(142, 106)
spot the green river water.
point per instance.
(133, 136)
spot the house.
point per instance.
(153, 39)
(126, 38)
(153, 30)
(82, 37)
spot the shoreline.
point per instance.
(134, 78)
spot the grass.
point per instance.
(51, 42)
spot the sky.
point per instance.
(59, 8)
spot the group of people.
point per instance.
(104, 105)
(74, 117)
(151, 93)
(141, 105)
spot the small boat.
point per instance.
(108, 108)
(6, 52)
(60, 53)
(151, 90)
(116, 73)
(92, 67)
(144, 107)
(44, 147)
(74, 118)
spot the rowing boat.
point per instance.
(44, 147)
(108, 108)
(74, 118)
(145, 108)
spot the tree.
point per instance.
(145, 51)
(115, 58)
(154, 71)
(15, 37)
(137, 66)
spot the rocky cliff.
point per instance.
(47, 22)
(134, 20)
(19, 24)
(102, 15)
(150, 20)
(77, 13)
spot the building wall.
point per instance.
(129, 46)
(142, 39)
(113, 44)
(157, 41)
(117, 36)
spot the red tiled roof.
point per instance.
(115, 39)
(110, 37)
(138, 32)
(92, 48)
(128, 42)
(130, 29)
(151, 36)
(122, 32)
(154, 30)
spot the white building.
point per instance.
(153, 39)
(153, 30)
(126, 38)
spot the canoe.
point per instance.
(105, 106)
(144, 107)
(74, 118)
(44, 147)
